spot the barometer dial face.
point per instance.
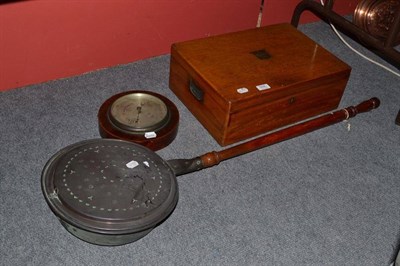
(139, 112)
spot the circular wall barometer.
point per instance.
(143, 117)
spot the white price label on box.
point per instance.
(263, 87)
(242, 90)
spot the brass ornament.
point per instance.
(376, 17)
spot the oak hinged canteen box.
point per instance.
(242, 84)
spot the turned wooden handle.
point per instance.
(183, 166)
(363, 107)
(213, 158)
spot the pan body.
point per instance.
(104, 239)
(109, 192)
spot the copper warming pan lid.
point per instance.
(109, 192)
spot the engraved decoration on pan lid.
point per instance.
(109, 187)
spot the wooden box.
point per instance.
(242, 84)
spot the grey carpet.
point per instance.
(331, 197)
